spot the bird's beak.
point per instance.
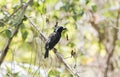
(64, 28)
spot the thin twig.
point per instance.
(36, 27)
(14, 13)
(60, 57)
(5, 50)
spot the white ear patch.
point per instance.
(56, 29)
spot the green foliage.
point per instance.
(54, 73)
(38, 7)
(10, 73)
(87, 1)
(94, 8)
(24, 35)
(8, 33)
(71, 44)
(87, 33)
(24, 31)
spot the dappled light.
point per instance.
(59, 38)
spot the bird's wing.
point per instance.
(52, 37)
(52, 40)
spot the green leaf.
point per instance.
(81, 12)
(53, 72)
(8, 33)
(71, 44)
(1, 24)
(94, 8)
(16, 74)
(22, 26)
(24, 35)
(87, 1)
(118, 42)
(25, 18)
(75, 17)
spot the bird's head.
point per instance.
(59, 29)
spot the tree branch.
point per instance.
(109, 49)
(60, 57)
(20, 20)
(112, 47)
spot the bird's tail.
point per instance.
(46, 53)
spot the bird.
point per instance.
(53, 39)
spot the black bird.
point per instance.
(53, 39)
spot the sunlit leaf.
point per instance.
(54, 72)
(118, 42)
(71, 44)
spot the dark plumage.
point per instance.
(53, 39)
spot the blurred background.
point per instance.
(90, 46)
